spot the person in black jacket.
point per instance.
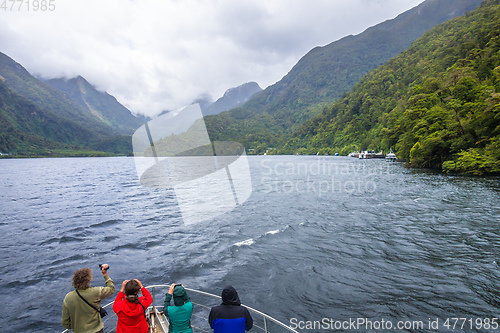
(230, 316)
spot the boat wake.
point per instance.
(252, 241)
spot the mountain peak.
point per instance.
(325, 73)
(232, 98)
(101, 104)
(243, 89)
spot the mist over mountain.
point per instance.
(205, 101)
(100, 104)
(325, 73)
(437, 104)
(38, 118)
(72, 114)
(20, 81)
(232, 98)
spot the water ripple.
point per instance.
(420, 245)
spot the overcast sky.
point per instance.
(157, 55)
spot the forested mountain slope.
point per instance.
(20, 81)
(437, 103)
(325, 73)
(28, 130)
(101, 104)
(36, 119)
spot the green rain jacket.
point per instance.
(179, 315)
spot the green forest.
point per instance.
(437, 104)
(37, 120)
(324, 74)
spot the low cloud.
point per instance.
(158, 55)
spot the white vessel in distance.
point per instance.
(367, 154)
(391, 157)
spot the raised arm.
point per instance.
(110, 286)
(168, 297)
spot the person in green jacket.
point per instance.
(178, 315)
(78, 315)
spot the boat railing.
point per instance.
(202, 303)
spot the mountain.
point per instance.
(204, 101)
(28, 130)
(325, 73)
(232, 98)
(54, 116)
(19, 80)
(100, 104)
(437, 104)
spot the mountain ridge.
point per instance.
(392, 27)
(325, 73)
(101, 104)
(77, 127)
(233, 97)
(19, 80)
(28, 129)
(437, 104)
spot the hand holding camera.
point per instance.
(172, 286)
(104, 268)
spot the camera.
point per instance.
(100, 266)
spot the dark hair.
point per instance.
(82, 278)
(131, 290)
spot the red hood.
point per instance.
(130, 315)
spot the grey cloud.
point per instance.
(156, 55)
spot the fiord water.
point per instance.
(323, 241)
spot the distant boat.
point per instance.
(391, 157)
(366, 154)
(336, 154)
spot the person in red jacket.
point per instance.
(131, 309)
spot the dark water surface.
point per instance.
(320, 239)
